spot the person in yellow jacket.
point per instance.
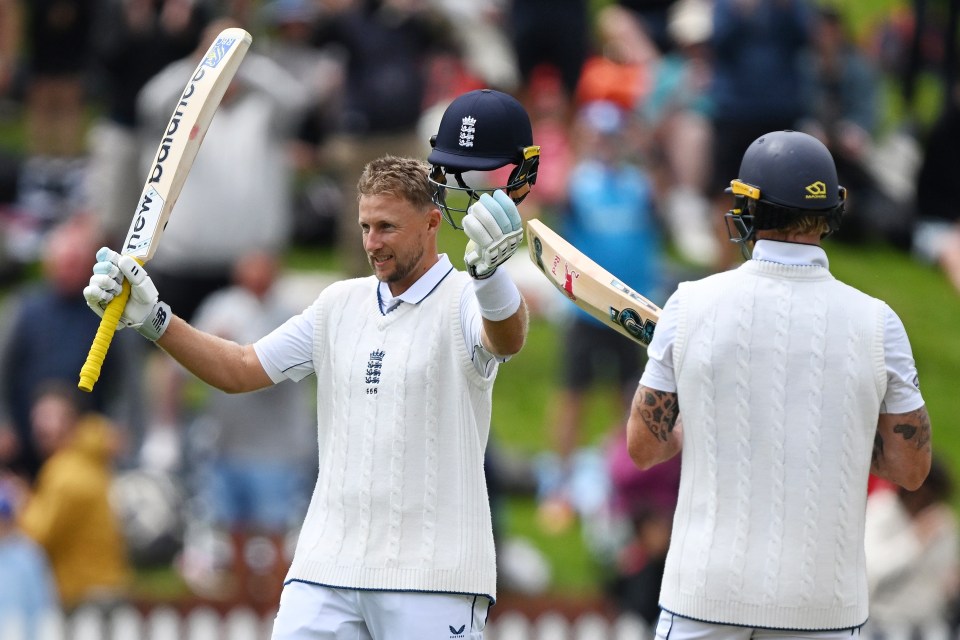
(69, 512)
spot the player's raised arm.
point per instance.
(495, 231)
(220, 363)
(481, 131)
(175, 154)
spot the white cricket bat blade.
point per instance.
(590, 286)
(181, 141)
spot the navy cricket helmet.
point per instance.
(482, 130)
(784, 175)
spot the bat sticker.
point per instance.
(218, 51)
(629, 319)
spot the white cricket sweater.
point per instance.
(780, 375)
(401, 500)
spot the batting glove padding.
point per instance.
(495, 231)
(144, 311)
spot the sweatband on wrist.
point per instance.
(157, 322)
(497, 295)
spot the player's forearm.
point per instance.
(220, 363)
(654, 434)
(506, 337)
(902, 450)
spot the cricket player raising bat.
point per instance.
(398, 540)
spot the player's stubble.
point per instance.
(403, 266)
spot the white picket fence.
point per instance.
(164, 623)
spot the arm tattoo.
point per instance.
(659, 410)
(877, 449)
(913, 427)
(916, 427)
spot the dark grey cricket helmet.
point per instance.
(481, 130)
(784, 175)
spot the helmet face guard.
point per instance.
(521, 179)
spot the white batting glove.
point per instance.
(144, 311)
(495, 231)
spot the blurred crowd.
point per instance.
(643, 109)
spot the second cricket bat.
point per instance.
(178, 148)
(590, 286)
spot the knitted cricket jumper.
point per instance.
(401, 499)
(780, 376)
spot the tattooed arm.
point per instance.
(653, 432)
(901, 448)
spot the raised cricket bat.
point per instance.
(178, 147)
(590, 286)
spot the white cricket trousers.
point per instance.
(674, 627)
(314, 612)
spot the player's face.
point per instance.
(399, 239)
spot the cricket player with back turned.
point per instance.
(783, 389)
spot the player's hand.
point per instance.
(144, 311)
(495, 231)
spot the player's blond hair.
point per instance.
(405, 178)
(807, 224)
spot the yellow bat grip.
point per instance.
(90, 372)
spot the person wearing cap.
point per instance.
(794, 387)
(398, 538)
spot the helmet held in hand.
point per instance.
(481, 130)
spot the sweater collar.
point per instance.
(790, 253)
(418, 290)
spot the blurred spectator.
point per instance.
(936, 236)
(239, 195)
(68, 512)
(622, 69)
(678, 110)
(481, 35)
(386, 45)
(912, 546)
(655, 15)
(757, 86)
(551, 32)
(11, 25)
(550, 115)
(610, 216)
(256, 453)
(58, 56)
(134, 40)
(45, 334)
(644, 501)
(287, 40)
(843, 92)
(27, 589)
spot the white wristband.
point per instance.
(497, 295)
